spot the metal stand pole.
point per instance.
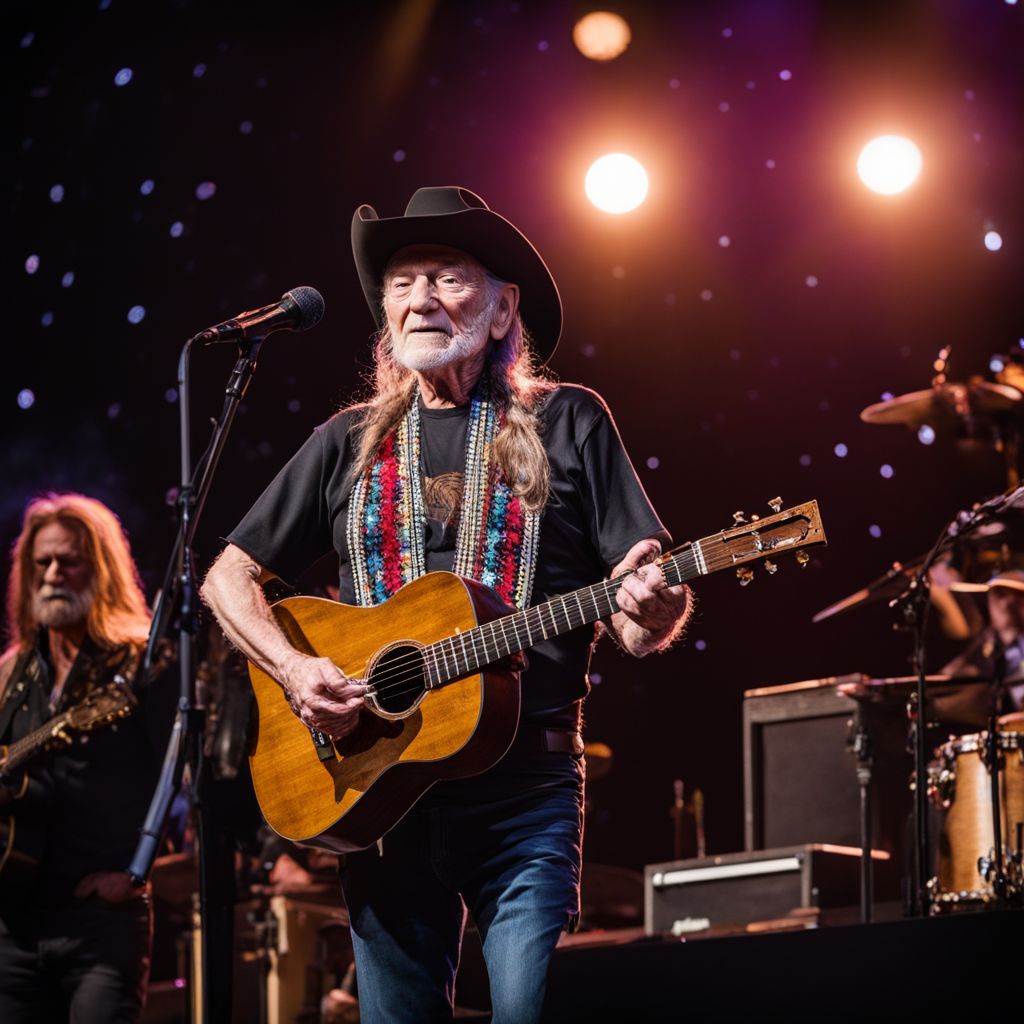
(178, 599)
(864, 753)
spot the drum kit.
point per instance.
(973, 800)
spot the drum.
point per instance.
(961, 787)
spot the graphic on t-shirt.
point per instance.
(443, 495)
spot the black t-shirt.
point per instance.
(596, 512)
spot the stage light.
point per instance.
(601, 35)
(993, 241)
(889, 164)
(616, 183)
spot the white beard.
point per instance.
(418, 355)
(58, 607)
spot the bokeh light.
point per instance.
(26, 398)
(993, 241)
(889, 164)
(926, 434)
(205, 190)
(123, 77)
(136, 314)
(601, 35)
(841, 450)
(616, 183)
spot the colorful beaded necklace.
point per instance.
(497, 536)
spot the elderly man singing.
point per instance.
(463, 459)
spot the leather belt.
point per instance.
(561, 741)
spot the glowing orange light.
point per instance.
(616, 183)
(889, 164)
(601, 35)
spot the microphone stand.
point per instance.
(178, 598)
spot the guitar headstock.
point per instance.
(753, 539)
(101, 707)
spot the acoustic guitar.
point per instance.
(437, 707)
(19, 854)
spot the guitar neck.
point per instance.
(21, 750)
(468, 652)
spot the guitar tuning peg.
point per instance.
(739, 518)
(744, 574)
(802, 558)
(770, 567)
(775, 504)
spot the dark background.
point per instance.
(301, 113)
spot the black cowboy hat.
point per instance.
(461, 219)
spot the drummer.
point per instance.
(997, 651)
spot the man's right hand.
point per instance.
(322, 696)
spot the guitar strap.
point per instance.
(11, 700)
(497, 538)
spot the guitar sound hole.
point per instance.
(398, 678)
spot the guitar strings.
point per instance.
(393, 682)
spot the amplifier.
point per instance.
(800, 777)
(737, 888)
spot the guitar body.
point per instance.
(20, 853)
(453, 731)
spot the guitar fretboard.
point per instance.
(465, 653)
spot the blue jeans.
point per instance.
(506, 845)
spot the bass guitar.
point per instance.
(436, 706)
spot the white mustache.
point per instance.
(48, 592)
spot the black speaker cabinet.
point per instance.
(800, 778)
(738, 888)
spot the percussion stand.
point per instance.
(864, 754)
(996, 866)
(914, 603)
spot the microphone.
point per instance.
(298, 310)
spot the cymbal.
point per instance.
(947, 406)
(898, 687)
(886, 587)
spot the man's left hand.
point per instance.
(644, 595)
(655, 611)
